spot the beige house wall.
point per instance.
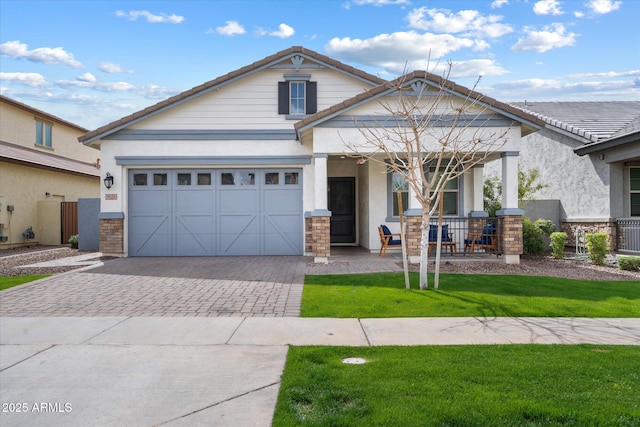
(26, 188)
(18, 126)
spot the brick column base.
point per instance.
(510, 236)
(112, 236)
(318, 238)
(413, 237)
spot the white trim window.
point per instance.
(44, 134)
(297, 98)
(450, 195)
(634, 190)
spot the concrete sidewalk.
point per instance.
(146, 371)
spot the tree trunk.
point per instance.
(424, 251)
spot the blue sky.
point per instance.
(92, 62)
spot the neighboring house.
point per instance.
(42, 166)
(588, 156)
(254, 163)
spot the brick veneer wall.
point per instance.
(317, 236)
(413, 235)
(112, 236)
(510, 235)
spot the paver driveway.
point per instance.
(194, 286)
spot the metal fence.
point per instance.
(458, 235)
(628, 235)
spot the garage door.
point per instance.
(215, 212)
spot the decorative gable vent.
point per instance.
(297, 61)
(419, 88)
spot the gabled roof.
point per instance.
(405, 81)
(589, 122)
(227, 78)
(40, 113)
(28, 156)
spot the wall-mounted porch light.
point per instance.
(108, 181)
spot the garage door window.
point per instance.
(291, 178)
(204, 179)
(140, 179)
(184, 179)
(159, 179)
(271, 178)
(247, 178)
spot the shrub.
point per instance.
(546, 226)
(630, 263)
(532, 241)
(597, 247)
(73, 241)
(558, 240)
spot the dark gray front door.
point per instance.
(342, 204)
(215, 212)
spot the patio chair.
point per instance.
(446, 239)
(486, 240)
(387, 240)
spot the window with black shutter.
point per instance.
(297, 96)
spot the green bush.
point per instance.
(558, 240)
(630, 263)
(73, 241)
(546, 226)
(532, 241)
(597, 247)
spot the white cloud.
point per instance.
(391, 50)
(547, 7)
(586, 86)
(45, 55)
(151, 18)
(86, 77)
(231, 28)
(551, 37)
(466, 22)
(111, 68)
(603, 6)
(497, 4)
(284, 31)
(27, 79)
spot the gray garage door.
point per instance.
(215, 212)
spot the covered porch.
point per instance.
(359, 197)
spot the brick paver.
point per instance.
(269, 286)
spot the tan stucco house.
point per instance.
(255, 163)
(42, 165)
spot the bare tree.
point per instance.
(432, 133)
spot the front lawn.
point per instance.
(7, 282)
(466, 295)
(499, 385)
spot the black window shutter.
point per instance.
(283, 97)
(312, 97)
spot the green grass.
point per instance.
(500, 385)
(11, 281)
(463, 295)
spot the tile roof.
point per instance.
(41, 113)
(408, 78)
(19, 154)
(197, 90)
(593, 121)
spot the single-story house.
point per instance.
(588, 156)
(44, 170)
(256, 162)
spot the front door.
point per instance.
(342, 204)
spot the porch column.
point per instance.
(477, 208)
(510, 216)
(317, 222)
